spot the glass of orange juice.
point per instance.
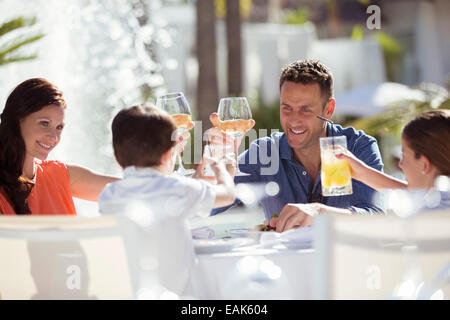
(335, 173)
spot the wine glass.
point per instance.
(235, 119)
(218, 153)
(178, 107)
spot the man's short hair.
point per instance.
(141, 135)
(310, 71)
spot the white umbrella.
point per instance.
(372, 99)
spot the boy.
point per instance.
(156, 201)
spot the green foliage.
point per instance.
(357, 33)
(393, 54)
(299, 16)
(267, 117)
(387, 126)
(395, 117)
(392, 50)
(10, 50)
(388, 43)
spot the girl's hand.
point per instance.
(357, 167)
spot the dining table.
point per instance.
(238, 263)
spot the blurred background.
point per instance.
(390, 62)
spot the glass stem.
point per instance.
(236, 152)
(180, 163)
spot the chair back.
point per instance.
(382, 257)
(60, 257)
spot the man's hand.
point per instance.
(295, 215)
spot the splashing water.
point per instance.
(95, 52)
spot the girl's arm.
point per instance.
(368, 175)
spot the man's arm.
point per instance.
(296, 215)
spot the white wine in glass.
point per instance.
(235, 118)
(177, 106)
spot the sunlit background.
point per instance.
(106, 55)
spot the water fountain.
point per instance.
(95, 53)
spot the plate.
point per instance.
(247, 233)
(294, 245)
(300, 238)
(220, 245)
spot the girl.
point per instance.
(425, 155)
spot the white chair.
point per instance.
(382, 257)
(60, 257)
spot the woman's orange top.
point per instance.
(51, 194)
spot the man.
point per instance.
(306, 91)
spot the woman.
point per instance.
(425, 155)
(31, 126)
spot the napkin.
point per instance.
(202, 233)
(299, 236)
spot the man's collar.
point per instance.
(286, 151)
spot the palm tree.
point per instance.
(9, 50)
(207, 88)
(387, 126)
(234, 42)
(396, 116)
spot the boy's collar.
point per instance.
(132, 170)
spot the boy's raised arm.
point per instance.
(224, 189)
(225, 184)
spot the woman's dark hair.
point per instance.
(429, 134)
(28, 97)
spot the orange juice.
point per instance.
(335, 175)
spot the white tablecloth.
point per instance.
(221, 276)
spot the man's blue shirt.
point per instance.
(271, 159)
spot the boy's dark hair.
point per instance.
(141, 135)
(310, 71)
